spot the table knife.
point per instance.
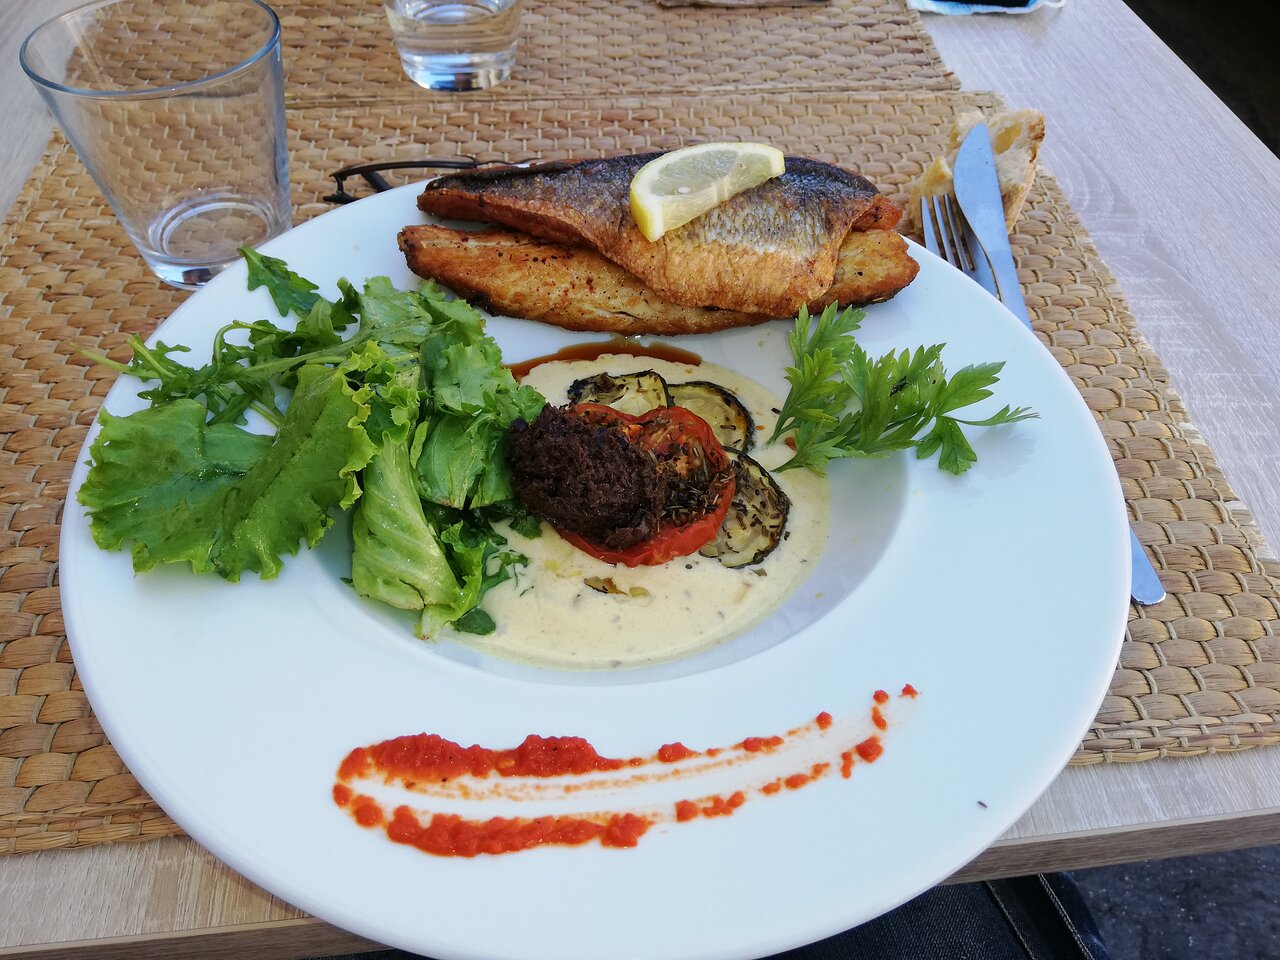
(978, 193)
(977, 190)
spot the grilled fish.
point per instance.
(574, 287)
(767, 251)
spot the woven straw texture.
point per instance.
(740, 3)
(1199, 672)
(341, 50)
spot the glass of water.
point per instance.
(455, 44)
(176, 108)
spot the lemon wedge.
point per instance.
(672, 189)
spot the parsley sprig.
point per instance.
(845, 403)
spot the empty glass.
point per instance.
(455, 44)
(176, 108)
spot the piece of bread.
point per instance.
(1015, 139)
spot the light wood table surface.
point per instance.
(1183, 202)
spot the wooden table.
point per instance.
(1127, 119)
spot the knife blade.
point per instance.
(1145, 587)
(978, 193)
(977, 190)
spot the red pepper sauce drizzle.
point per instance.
(426, 757)
(674, 753)
(431, 759)
(449, 835)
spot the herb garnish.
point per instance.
(845, 403)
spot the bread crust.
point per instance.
(1016, 136)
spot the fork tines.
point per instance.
(944, 230)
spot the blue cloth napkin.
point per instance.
(962, 9)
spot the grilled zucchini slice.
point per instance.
(632, 393)
(729, 420)
(756, 520)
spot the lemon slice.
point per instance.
(672, 189)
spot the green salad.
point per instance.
(398, 404)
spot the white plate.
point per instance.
(1001, 595)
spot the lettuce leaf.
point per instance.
(160, 480)
(397, 557)
(178, 489)
(426, 558)
(310, 468)
(459, 455)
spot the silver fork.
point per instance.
(945, 231)
(947, 234)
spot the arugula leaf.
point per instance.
(288, 290)
(160, 480)
(315, 332)
(475, 621)
(845, 403)
(522, 521)
(240, 377)
(226, 393)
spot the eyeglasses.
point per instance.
(371, 173)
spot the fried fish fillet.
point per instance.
(766, 251)
(871, 267)
(574, 287)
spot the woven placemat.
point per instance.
(342, 50)
(1199, 672)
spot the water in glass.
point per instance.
(455, 44)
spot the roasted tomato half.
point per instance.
(697, 473)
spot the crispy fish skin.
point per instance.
(767, 250)
(576, 288)
(517, 275)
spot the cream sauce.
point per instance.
(549, 616)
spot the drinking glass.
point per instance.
(176, 107)
(455, 44)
